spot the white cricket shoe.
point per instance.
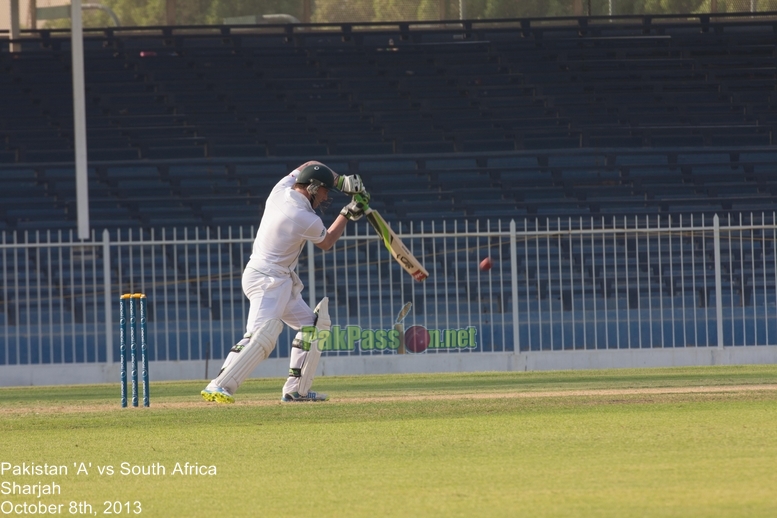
(294, 397)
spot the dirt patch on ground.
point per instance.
(40, 409)
(573, 393)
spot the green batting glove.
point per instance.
(362, 198)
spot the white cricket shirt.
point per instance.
(288, 221)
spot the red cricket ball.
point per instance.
(486, 264)
(416, 339)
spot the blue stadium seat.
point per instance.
(661, 117)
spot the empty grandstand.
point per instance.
(610, 125)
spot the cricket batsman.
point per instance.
(274, 289)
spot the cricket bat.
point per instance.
(396, 246)
(400, 328)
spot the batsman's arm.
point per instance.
(353, 211)
(333, 233)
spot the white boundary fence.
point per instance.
(558, 288)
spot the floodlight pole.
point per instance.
(79, 118)
(13, 33)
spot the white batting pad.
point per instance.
(323, 323)
(259, 347)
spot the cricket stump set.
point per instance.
(133, 307)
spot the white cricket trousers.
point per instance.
(275, 297)
(278, 297)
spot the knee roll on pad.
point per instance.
(323, 322)
(301, 343)
(260, 344)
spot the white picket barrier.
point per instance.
(562, 294)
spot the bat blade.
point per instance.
(403, 312)
(397, 248)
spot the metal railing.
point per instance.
(559, 284)
(349, 22)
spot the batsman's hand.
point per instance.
(355, 210)
(350, 185)
(363, 198)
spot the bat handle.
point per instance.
(400, 328)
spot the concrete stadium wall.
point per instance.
(75, 374)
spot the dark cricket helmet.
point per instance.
(315, 175)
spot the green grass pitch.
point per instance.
(679, 442)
